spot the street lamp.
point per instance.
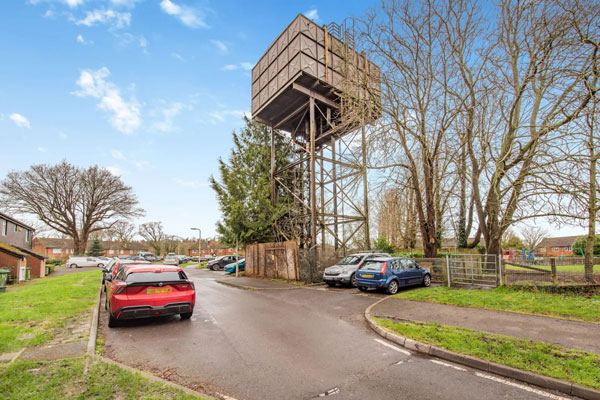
(199, 242)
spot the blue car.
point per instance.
(230, 268)
(390, 274)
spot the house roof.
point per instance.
(55, 242)
(6, 248)
(560, 241)
(15, 221)
(31, 252)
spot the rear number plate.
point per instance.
(367, 276)
(158, 290)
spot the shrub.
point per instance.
(383, 245)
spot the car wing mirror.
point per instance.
(108, 278)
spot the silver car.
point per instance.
(171, 260)
(344, 271)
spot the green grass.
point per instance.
(65, 380)
(44, 307)
(559, 268)
(193, 263)
(542, 358)
(574, 307)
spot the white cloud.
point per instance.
(222, 115)
(48, 14)
(124, 3)
(117, 154)
(115, 19)
(84, 42)
(169, 113)
(313, 14)
(187, 183)
(177, 56)
(20, 120)
(127, 39)
(221, 46)
(73, 3)
(188, 16)
(42, 149)
(125, 114)
(62, 135)
(246, 66)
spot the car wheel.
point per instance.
(112, 322)
(352, 281)
(100, 265)
(392, 287)
(362, 288)
(186, 315)
(427, 280)
(332, 284)
(73, 266)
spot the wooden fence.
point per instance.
(273, 260)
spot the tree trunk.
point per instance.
(591, 236)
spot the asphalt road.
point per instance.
(293, 344)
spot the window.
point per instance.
(57, 251)
(111, 252)
(555, 249)
(16, 227)
(4, 227)
(27, 235)
(568, 248)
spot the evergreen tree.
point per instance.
(244, 191)
(96, 249)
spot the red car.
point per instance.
(143, 291)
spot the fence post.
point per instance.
(500, 278)
(448, 268)
(553, 268)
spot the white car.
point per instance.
(78, 262)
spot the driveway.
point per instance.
(292, 344)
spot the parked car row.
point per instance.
(219, 263)
(377, 270)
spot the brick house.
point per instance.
(16, 251)
(63, 248)
(219, 251)
(557, 246)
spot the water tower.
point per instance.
(312, 85)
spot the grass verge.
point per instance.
(193, 264)
(538, 357)
(65, 380)
(34, 314)
(573, 307)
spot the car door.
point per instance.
(414, 273)
(90, 262)
(403, 272)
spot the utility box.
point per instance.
(4, 272)
(27, 273)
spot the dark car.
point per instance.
(391, 274)
(220, 262)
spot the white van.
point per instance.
(78, 262)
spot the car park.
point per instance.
(344, 271)
(79, 262)
(143, 291)
(219, 263)
(390, 274)
(241, 265)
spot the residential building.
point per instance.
(16, 250)
(63, 248)
(558, 246)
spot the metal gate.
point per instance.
(474, 269)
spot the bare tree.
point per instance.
(532, 236)
(73, 201)
(405, 39)
(153, 234)
(124, 232)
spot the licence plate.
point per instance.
(158, 290)
(367, 275)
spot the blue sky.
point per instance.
(150, 89)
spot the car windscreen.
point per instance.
(152, 277)
(111, 265)
(372, 265)
(350, 260)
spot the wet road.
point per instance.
(293, 344)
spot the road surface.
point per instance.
(293, 344)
